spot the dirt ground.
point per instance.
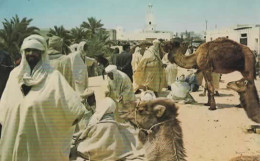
(210, 135)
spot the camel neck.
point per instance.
(250, 102)
(183, 61)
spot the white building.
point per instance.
(149, 32)
(245, 34)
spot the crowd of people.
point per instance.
(48, 111)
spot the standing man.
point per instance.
(79, 68)
(170, 69)
(123, 61)
(38, 109)
(150, 72)
(135, 61)
(120, 88)
(114, 56)
(59, 61)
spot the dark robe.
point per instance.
(123, 63)
(6, 66)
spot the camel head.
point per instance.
(239, 86)
(144, 114)
(174, 48)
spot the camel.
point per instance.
(221, 56)
(248, 97)
(159, 129)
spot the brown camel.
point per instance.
(221, 56)
(159, 129)
(248, 97)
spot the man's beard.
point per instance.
(32, 59)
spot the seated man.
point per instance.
(180, 91)
(191, 79)
(89, 100)
(120, 89)
(104, 138)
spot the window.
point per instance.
(243, 35)
(243, 41)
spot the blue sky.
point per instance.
(171, 15)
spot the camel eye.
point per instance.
(141, 111)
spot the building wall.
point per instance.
(112, 34)
(146, 35)
(247, 36)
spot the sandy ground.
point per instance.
(210, 135)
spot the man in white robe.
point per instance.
(171, 70)
(120, 89)
(104, 139)
(79, 68)
(180, 91)
(59, 61)
(135, 61)
(150, 72)
(38, 109)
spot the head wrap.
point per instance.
(147, 95)
(73, 47)
(137, 49)
(106, 106)
(156, 42)
(34, 42)
(55, 45)
(155, 47)
(110, 68)
(39, 73)
(181, 78)
(80, 48)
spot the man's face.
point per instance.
(91, 100)
(33, 56)
(110, 75)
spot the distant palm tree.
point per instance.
(78, 34)
(64, 34)
(99, 44)
(13, 34)
(92, 26)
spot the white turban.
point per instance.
(73, 47)
(34, 42)
(155, 47)
(110, 68)
(39, 73)
(137, 49)
(147, 95)
(156, 42)
(80, 48)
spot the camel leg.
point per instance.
(211, 99)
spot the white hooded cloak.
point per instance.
(39, 125)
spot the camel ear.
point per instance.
(246, 82)
(159, 110)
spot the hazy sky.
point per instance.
(171, 15)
